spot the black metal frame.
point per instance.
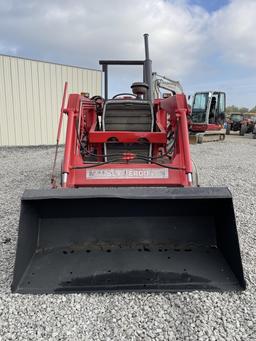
(147, 69)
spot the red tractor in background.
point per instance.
(254, 127)
(126, 215)
(239, 122)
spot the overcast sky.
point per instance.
(206, 45)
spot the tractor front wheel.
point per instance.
(228, 129)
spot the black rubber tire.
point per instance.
(61, 168)
(228, 129)
(243, 130)
(195, 176)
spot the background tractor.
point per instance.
(239, 122)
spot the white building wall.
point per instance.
(30, 98)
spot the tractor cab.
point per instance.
(236, 117)
(208, 108)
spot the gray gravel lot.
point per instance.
(132, 316)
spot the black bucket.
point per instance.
(105, 239)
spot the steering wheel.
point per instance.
(124, 94)
(96, 97)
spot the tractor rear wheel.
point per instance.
(243, 130)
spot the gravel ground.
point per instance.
(132, 316)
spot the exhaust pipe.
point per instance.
(147, 69)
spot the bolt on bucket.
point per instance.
(105, 239)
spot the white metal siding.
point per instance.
(30, 98)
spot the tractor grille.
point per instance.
(128, 116)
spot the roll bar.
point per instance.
(147, 69)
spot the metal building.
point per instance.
(30, 98)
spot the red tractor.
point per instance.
(126, 215)
(254, 127)
(239, 122)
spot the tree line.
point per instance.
(233, 108)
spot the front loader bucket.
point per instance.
(150, 239)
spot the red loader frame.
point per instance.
(170, 117)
